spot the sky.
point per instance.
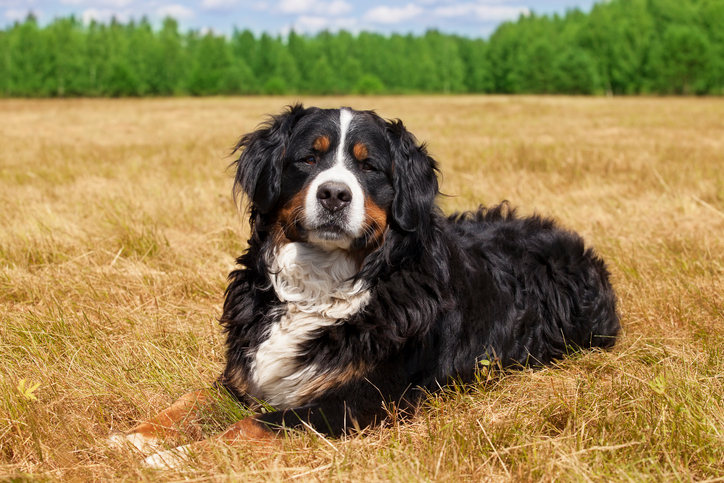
(472, 18)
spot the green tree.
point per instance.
(97, 54)
(369, 84)
(304, 56)
(620, 47)
(712, 21)
(119, 78)
(686, 59)
(28, 60)
(574, 72)
(246, 48)
(505, 59)
(4, 64)
(321, 77)
(350, 74)
(68, 68)
(141, 55)
(238, 79)
(444, 52)
(618, 35)
(375, 54)
(211, 64)
(168, 61)
(286, 69)
(265, 66)
(478, 71)
(537, 69)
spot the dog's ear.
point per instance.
(259, 167)
(414, 177)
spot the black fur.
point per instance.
(415, 179)
(446, 292)
(261, 173)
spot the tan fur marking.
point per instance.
(326, 382)
(179, 419)
(244, 430)
(375, 226)
(375, 217)
(360, 152)
(285, 230)
(321, 144)
(237, 381)
(375, 223)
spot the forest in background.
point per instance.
(621, 47)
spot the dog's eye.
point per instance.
(367, 167)
(310, 160)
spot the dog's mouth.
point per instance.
(330, 235)
(330, 231)
(327, 233)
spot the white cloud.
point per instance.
(19, 14)
(333, 8)
(500, 13)
(296, 6)
(99, 5)
(311, 24)
(17, 4)
(176, 11)
(390, 15)
(104, 15)
(314, 24)
(454, 11)
(434, 2)
(338, 7)
(220, 5)
(232, 5)
(309, 16)
(482, 12)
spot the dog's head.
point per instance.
(337, 178)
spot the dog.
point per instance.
(356, 294)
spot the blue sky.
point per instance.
(474, 18)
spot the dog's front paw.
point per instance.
(142, 442)
(172, 458)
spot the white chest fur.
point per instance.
(316, 287)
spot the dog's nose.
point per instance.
(334, 196)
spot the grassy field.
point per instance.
(117, 231)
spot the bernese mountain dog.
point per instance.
(356, 294)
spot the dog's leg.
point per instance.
(328, 417)
(247, 430)
(178, 420)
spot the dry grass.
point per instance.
(118, 230)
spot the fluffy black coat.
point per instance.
(445, 292)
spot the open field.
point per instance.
(117, 231)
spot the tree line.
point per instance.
(620, 47)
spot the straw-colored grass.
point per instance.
(118, 228)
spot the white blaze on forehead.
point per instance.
(345, 119)
(355, 212)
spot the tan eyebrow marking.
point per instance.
(321, 144)
(360, 151)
